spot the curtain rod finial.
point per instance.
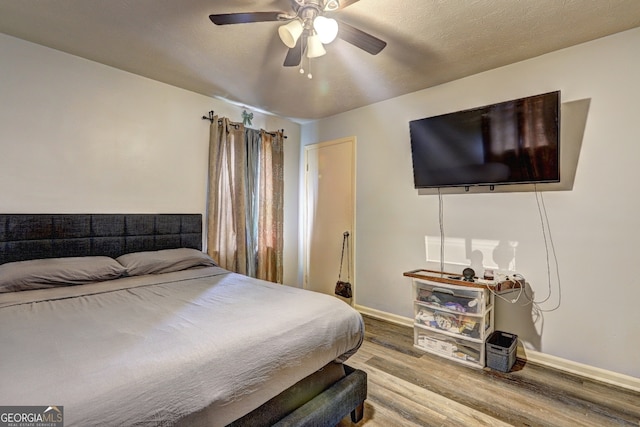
(210, 118)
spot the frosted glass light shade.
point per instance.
(326, 28)
(289, 33)
(314, 47)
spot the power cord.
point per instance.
(550, 250)
(441, 223)
(515, 278)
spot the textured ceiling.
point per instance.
(429, 42)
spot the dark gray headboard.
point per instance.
(31, 236)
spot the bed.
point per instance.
(120, 319)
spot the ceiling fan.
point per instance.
(307, 28)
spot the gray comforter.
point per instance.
(149, 350)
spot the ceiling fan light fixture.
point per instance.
(326, 28)
(314, 47)
(290, 33)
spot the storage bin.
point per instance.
(501, 351)
(451, 297)
(452, 321)
(451, 347)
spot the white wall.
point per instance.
(77, 136)
(595, 226)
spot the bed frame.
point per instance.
(33, 236)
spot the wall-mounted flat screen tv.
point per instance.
(512, 142)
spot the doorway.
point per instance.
(329, 211)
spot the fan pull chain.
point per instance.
(309, 75)
(301, 59)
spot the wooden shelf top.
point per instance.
(457, 279)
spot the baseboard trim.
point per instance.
(383, 315)
(587, 371)
(532, 356)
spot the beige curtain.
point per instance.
(226, 210)
(270, 207)
(232, 180)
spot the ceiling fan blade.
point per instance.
(359, 38)
(346, 3)
(245, 18)
(294, 55)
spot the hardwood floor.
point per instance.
(408, 387)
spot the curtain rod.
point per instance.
(211, 115)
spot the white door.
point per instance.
(329, 212)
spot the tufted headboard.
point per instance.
(31, 236)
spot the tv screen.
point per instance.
(512, 142)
